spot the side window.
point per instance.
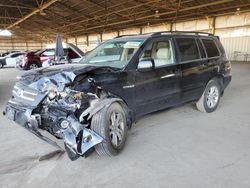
(202, 52)
(160, 51)
(15, 55)
(188, 49)
(211, 48)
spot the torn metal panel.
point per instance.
(45, 100)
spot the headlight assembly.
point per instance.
(52, 94)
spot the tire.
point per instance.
(210, 98)
(33, 65)
(110, 123)
(1, 65)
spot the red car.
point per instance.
(36, 59)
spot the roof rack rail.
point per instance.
(125, 35)
(182, 32)
(133, 35)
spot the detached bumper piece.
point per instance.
(78, 140)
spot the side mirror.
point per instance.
(145, 65)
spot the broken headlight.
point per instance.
(52, 94)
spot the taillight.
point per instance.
(25, 61)
(228, 67)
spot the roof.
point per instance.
(45, 18)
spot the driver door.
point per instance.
(157, 88)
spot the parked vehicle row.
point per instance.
(46, 57)
(92, 104)
(41, 58)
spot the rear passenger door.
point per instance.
(191, 59)
(157, 88)
(212, 64)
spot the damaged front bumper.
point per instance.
(77, 139)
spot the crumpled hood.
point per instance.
(59, 74)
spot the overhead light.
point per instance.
(5, 33)
(157, 14)
(237, 11)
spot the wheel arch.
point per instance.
(220, 79)
(104, 103)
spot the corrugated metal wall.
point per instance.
(237, 47)
(8, 44)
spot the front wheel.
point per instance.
(110, 123)
(1, 65)
(210, 97)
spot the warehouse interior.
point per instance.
(34, 24)
(178, 147)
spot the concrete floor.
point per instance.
(181, 147)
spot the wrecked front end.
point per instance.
(52, 105)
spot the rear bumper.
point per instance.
(227, 80)
(77, 139)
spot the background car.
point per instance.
(34, 60)
(10, 59)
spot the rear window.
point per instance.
(211, 48)
(188, 49)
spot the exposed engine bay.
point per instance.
(53, 104)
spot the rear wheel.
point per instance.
(210, 97)
(1, 65)
(111, 124)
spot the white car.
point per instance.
(10, 59)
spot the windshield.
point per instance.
(113, 53)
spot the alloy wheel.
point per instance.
(116, 128)
(33, 66)
(212, 97)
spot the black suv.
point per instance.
(95, 102)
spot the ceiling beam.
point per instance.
(44, 6)
(8, 17)
(152, 15)
(15, 6)
(104, 15)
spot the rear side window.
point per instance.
(211, 48)
(188, 49)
